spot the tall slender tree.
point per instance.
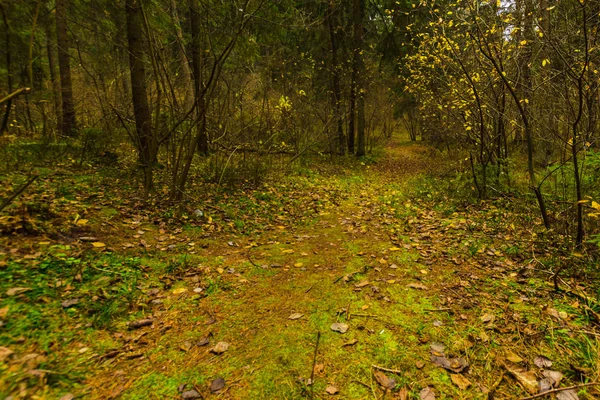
(69, 121)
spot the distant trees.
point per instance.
(494, 78)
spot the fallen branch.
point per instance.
(17, 192)
(393, 371)
(312, 372)
(15, 94)
(535, 396)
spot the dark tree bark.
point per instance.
(147, 144)
(69, 122)
(358, 14)
(51, 53)
(335, 79)
(9, 82)
(197, 74)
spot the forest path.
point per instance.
(344, 266)
(438, 294)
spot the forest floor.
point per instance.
(358, 282)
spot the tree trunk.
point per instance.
(202, 142)
(358, 13)
(335, 80)
(146, 142)
(69, 124)
(5, 119)
(51, 51)
(186, 75)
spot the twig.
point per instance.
(495, 386)
(535, 396)
(309, 289)
(438, 309)
(312, 372)
(17, 192)
(15, 94)
(393, 371)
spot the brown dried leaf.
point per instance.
(5, 353)
(403, 394)
(331, 389)
(70, 303)
(386, 382)
(217, 385)
(141, 323)
(350, 342)
(17, 291)
(554, 377)
(3, 312)
(542, 362)
(570, 394)
(295, 316)
(427, 394)
(220, 348)
(524, 377)
(512, 357)
(460, 381)
(339, 327)
(419, 286)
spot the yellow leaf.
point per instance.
(220, 270)
(98, 244)
(179, 290)
(595, 206)
(82, 222)
(394, 249)
(298, 265)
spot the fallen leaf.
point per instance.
(81, 222)
(362, 284)
(350, 342)
(140, 323)
(570, 394)
(419, 286)
(460, 381)
(68, 396)
(419, 364)
(453, 364)
(217, 385)
(70, 303)
(554, 377)
(331, 390)
(524, 377)
(220, 348)
(98, 244)
(437, 323)
(386, 382)
(185, 346)
(339, 327)
(5, 353)
(203, 342)
(427, 394)
(17, 291)
(403, 394)
(512, 357)
(487, 318)
(542, 362)
(3, 312)
(179, 290)
(296, 316)
(437, 349)
(190, 395)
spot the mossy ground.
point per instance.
(375, 247)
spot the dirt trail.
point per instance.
(342, 267)
(405, 277)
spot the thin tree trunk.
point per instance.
(202, 141)
(335, 79)
(146, 143)
(358, 13)
(7, 34)
(51, 51)
(69, 123)
(186, 75)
